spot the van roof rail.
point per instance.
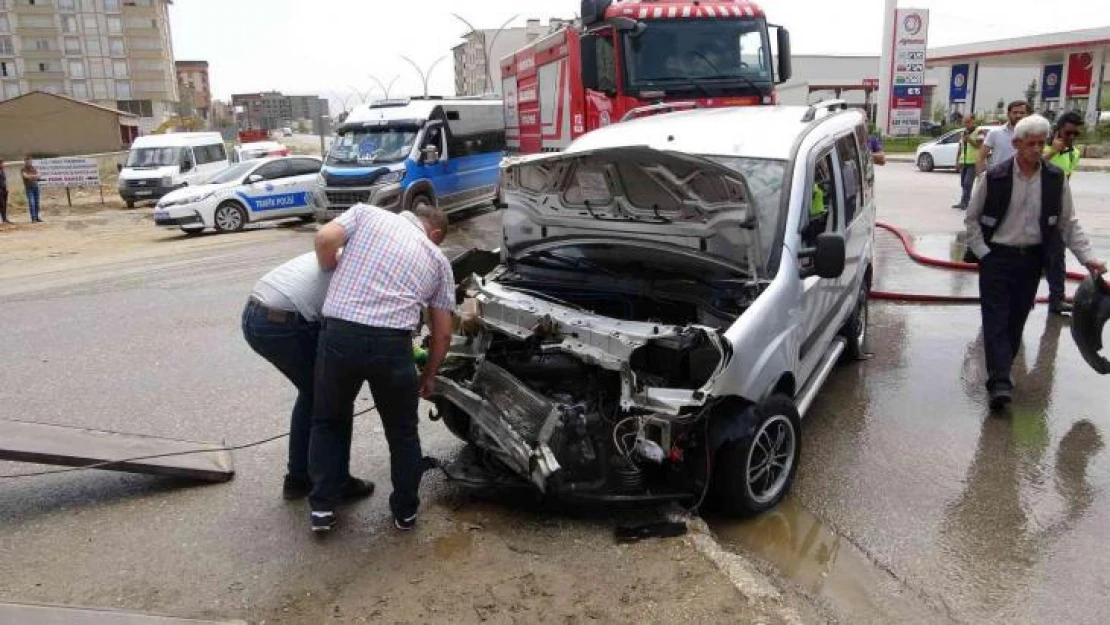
(825, 105)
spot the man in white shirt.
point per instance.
(281, 322)
(1017, 210)
(998, 147)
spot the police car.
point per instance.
(259, 190)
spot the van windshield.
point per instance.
(153, 157)
(364, 146)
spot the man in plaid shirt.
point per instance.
(391, 269)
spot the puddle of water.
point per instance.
(454, 545)
(813, 557)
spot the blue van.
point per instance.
(401, 154)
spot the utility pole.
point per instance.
(424, 75)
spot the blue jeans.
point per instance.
(967, 182)
(33, 202)
(349, 355)
(291, 347)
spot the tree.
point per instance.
(302, 127)
(1031, 93)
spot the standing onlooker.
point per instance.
(1016, 210)
(966, 159)
(874, 143)
(3, 194)
(999, 144)
(1063, 154)
(391, 268)
(31, 186)
(281, 322)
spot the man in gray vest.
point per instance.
(281, 322)
(1016, 211)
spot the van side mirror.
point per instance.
(431, 154)
(785, 69)
(186, 167)
(827, 258)
(119, 167)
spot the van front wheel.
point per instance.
(422, 201)
(755, 471)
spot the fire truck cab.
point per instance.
(632, 57)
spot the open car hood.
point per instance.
(631, 193)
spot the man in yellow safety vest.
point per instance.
(1064, 154)
(966, 159)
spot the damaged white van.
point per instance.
(670, 296)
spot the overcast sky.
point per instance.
(330, 47)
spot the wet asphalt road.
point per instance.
(912, 503)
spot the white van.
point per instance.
(159, 164)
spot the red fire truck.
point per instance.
(634, 57)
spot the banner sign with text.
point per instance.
(1080, 72)
(907, 97)
(68, 172)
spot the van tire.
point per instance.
(773, 426)
(129, 203)
(457, 421)
(307, 219)
(229, 217)
(855, 328)
(422, 200)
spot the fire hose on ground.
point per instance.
(911, 251)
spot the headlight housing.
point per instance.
(392, 177)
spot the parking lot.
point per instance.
(911, 502)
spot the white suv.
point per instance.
(670, 296)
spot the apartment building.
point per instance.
(112, 53)
(471, 77)
(193, 89)
(271, 110)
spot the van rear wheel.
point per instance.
(755, 471)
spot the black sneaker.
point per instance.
(322, 521)
(353, 489)
(1063, 308)
(405, 525)
(295, 489)
(1000, 398)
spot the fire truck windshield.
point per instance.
(381, 144)
(718, 56)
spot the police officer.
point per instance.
(965, 161)
(1016, 209)
(1063, 154)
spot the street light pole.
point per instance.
(424, 75)
(385, 88)
(487, 49)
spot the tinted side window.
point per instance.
(275, 170)
(217, 152)
(606, 62)
(866, 158)
(305, 167)
(850, 169)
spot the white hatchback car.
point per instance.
(943, 151)
(272, 188)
